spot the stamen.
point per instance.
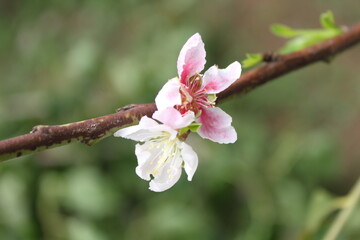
(192, 96)
(167, 152)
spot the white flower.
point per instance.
(162, 153)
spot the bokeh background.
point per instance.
(65, 60)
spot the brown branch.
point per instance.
(92, 130)
(293, 61)
(88, 132)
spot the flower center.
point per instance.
(193, 97)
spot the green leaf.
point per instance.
(302, 38)
(308, 38)
(296, 44)
(327, 20)
(283, 31)
(194, 127)
(251, 60)
(183, 130)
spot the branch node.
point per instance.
(41, 129)
(126, 108)
(271, 57)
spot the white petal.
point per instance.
(191, 59)
(146, 122)
(137, 133)
(173, 118)
(168, 175)
(190, 160)
(130, 132)
(216, 80)
(126, 132)
(169, 95)
(145, 130)
(143, 155)
(162, 184)
(150, 159)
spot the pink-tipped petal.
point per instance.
(173, 118)
(216, 126)
(216, 80)
(191, 59)
(169, 95)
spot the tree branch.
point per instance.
(92, 130)
(283, 64)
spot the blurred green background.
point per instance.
(65, 60)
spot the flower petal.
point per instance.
(166, 180)
(191, 59)
(173, 118)
(170, 172)
(145, 130)
(152, 158)
(216, 80)
(216, 126)
(131, 132)
(190, 160)
(169, 95)
(160, 185)
(143, 153)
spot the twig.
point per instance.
(293, 61)
(90, 131)
(345, 213)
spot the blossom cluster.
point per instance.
(185, 104)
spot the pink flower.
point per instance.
(195, 92)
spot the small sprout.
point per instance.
(194, 127)
(283, 31)
(251, 60)
(303, 38)
(327, 20)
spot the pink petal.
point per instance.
(169, 95)
(191, 58)
(216, 126)
(216, 80)
(173, 118)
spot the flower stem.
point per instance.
(345, 213)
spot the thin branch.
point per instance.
(93, 130)
(88, 132)
(287, 63)
(345, 213)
